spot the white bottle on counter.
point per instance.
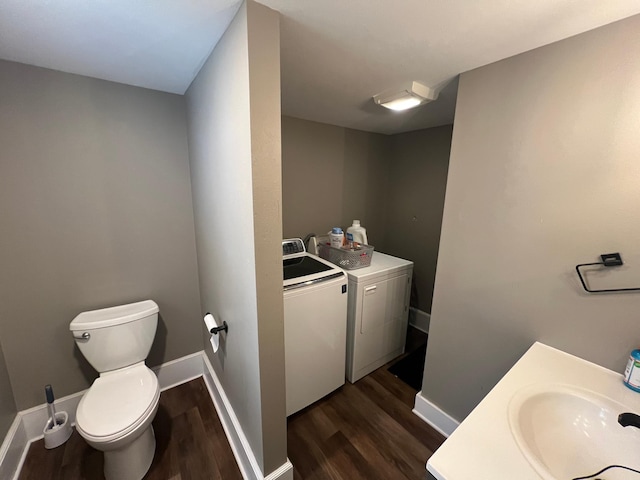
(358, 232)
(337, 237)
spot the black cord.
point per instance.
(604, 470)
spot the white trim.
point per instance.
(170, 374)
(237, 440)
(284, 472)
(34, 419)
(240, 446)
(179, 371)
(419, 319)
(29, 424)
(23, 457)
(12, 451)
(434, 415)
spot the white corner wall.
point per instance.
(544, 174)
(238, 222)
(220, 158)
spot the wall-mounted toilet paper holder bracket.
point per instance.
(222, 328)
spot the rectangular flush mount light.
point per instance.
(410, 96)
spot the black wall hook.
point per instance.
(608, 260)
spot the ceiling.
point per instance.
(335, 55)
(158, 44)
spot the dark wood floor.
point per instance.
(364, 430)
(187, 431)
(361, 431)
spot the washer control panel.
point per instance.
(291, 246)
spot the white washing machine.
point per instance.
(315, 325)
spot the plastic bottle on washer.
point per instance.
(358, 232)
(337, 237)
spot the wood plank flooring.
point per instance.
(361, 431)
(187, 431)
(364, 430)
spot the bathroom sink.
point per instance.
(566, 432)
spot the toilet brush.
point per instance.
(48, 391)
(58, 430)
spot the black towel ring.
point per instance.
(608, 260)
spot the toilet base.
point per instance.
(133, 461)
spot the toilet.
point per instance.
(115, 414)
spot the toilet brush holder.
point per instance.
(57, 431)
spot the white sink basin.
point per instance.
(567, 432)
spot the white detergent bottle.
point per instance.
(358, 232)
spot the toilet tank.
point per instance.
(116, 337)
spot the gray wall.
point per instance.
(393, 184)
(417, 181)
(8, 408)
(266, 170)
(543, 175)
(234, 144)
(331, 176)
(95, 208)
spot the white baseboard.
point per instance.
(179, 371)
(284, 472)
(170, 374)
(27, 427)
(237, 440)
(34, 419)
(12, 451)
(434, 416)
(29, 424)
(419, 319)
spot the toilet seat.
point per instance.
(117, 403)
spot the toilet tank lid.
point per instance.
(108, 317)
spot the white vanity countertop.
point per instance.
(483, 447)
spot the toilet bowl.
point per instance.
(115, 414)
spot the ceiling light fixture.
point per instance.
(409, 96)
